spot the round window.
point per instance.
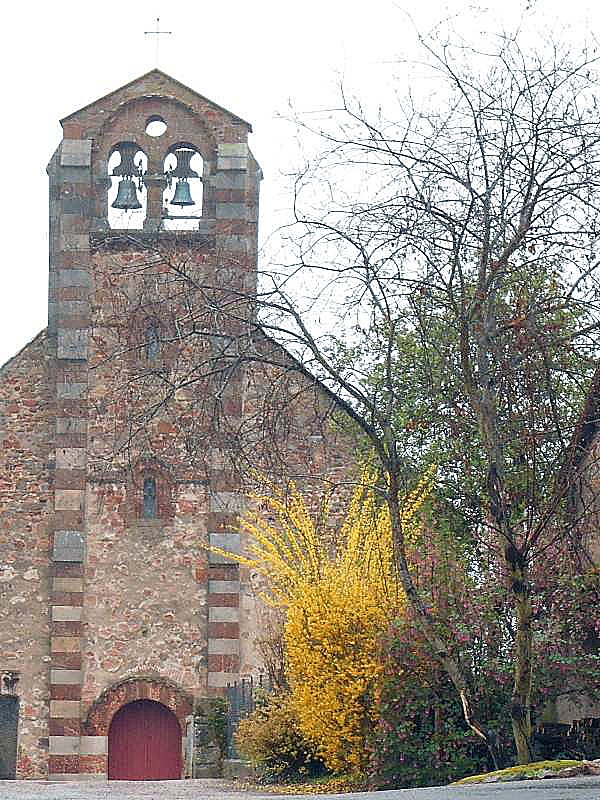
(156, 126)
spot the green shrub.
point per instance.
(217, 721)
(422, 738)
(271, 739)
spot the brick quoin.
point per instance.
(63, 727)
(67, 661)
(224, 630)
(63, 764)
(224, 600)
(93, 764)
(65, 628)
(65, 692)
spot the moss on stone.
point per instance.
(521, 771)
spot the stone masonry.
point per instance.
(103, 601)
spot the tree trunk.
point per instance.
(440, 648)
(520, 711)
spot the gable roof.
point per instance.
(156, 82)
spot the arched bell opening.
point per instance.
(127, 196)
(182, 198)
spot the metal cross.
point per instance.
(158, 33)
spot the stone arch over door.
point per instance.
(99, 717)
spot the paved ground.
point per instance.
(566, 789)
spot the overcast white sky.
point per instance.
(252, 58)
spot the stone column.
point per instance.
(235, 246)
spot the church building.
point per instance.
(126, 430)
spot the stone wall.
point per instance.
(100, 594)
(151, 587)
(25, 432)
(586, 494)
(585, 540)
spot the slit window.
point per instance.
(150, 506)
(152, 342)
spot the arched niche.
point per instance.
(184, 166)
(127, 162)
(162, 690)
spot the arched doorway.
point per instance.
(144, 743)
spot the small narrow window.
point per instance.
(152, 342)
(149, 498)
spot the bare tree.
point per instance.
(453, 254)
(443, 294)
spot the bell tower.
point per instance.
(151, 175)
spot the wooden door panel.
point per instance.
(144, 743)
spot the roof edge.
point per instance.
(22, 350)
(164, 75)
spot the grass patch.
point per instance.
(521, 772)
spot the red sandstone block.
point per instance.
(235, 134)
(231, 227)
(221, 481)
(230, 196)
(65, 692)
(67, 661)
(69, 479)
(73, 259)
(223, 572)
(66, 599)
(64, 727)
(71, 408)
(73, 322)
(73, 130)
(69, 373)
(166, 427)
(66, 628)
(223, 630)
(70, 439)
(93, 765)
(62, 764)
(64, 569)
(75, 223)
(72, 293)
(201, 574)
(233, 408)
(67, 521)
(224, 600)
(219, 521)
(224, 663)
(76, 190)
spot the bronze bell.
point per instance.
(182, 196)
(126, 199)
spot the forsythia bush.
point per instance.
(338, 605)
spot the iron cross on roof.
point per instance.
(158, 33)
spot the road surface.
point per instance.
(584, 788)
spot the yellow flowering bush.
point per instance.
(338, 604)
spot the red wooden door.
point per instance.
(144, 743)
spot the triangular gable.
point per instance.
(155, 82)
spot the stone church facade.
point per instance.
(126, 428)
